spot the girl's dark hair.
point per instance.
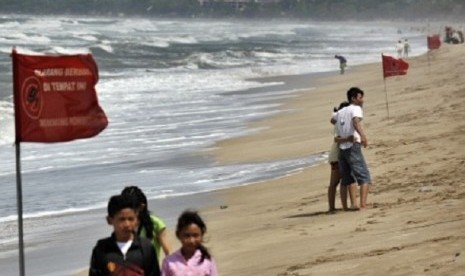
(139, 198)
(341, 106)
(187, 218)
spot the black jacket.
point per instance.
(107, 253)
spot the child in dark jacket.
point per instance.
(123, 253)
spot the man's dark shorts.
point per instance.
(352, 165)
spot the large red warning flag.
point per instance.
(393, 66)
(55, 98)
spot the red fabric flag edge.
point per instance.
(434, 42)
(83, 125)
(393, 66)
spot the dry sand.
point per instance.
(415, 224)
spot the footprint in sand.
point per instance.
(360, 229)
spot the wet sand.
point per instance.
(416, 216)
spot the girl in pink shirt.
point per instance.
(192, 259)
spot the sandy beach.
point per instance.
(416, 216)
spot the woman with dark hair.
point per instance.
(150, 226)
(193, 256)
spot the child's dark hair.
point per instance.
(353, 92)
(187, 218)
(341, 106)
(118, 203)
(139, 199)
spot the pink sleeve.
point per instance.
(165, 268)
(214, 271)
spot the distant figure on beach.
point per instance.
(453, 36)
(342, 63)
(150, 226)
(123, 253)
(399, 48)
(460, 34)
(351, 161)
(406, 48)
(333, 160)
(193, 256)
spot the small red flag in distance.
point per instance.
(434, 42)
(393, 66)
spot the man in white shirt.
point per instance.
(352, 164)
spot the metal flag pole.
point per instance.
(19, 203)
(429, 64)
(385, 90)
(387, 102)
(19, 190)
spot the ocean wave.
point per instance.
(25, 39)
(106, 47)
(70, 50)
(170, 87)
(6, 123)
(51, 213)
(86, 36)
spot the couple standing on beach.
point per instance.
(133, 249)
(348, 165)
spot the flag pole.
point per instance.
(385, 90)
(19, 203)
(429, 65)
(427, 43)
(19, 190)
(386, 95)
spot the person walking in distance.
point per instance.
(352, 164)
(342, 63)
(400, 48)
(406, 48)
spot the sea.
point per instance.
(171, 88)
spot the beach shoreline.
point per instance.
(262, 227)
(212, 200)
(415, 216)
(413, 225)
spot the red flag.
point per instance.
(434, 42)
(393, 66)
(55, 98)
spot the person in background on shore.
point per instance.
(333, 160)
(123, 253)
(342, 63)
(399, 48)
(406, 48)
(150, 226)
(351, 161)
(192, 258)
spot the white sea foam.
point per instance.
(69, 50)
(6, 123)
(50, 213)
(106, 47)
(163, 85)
